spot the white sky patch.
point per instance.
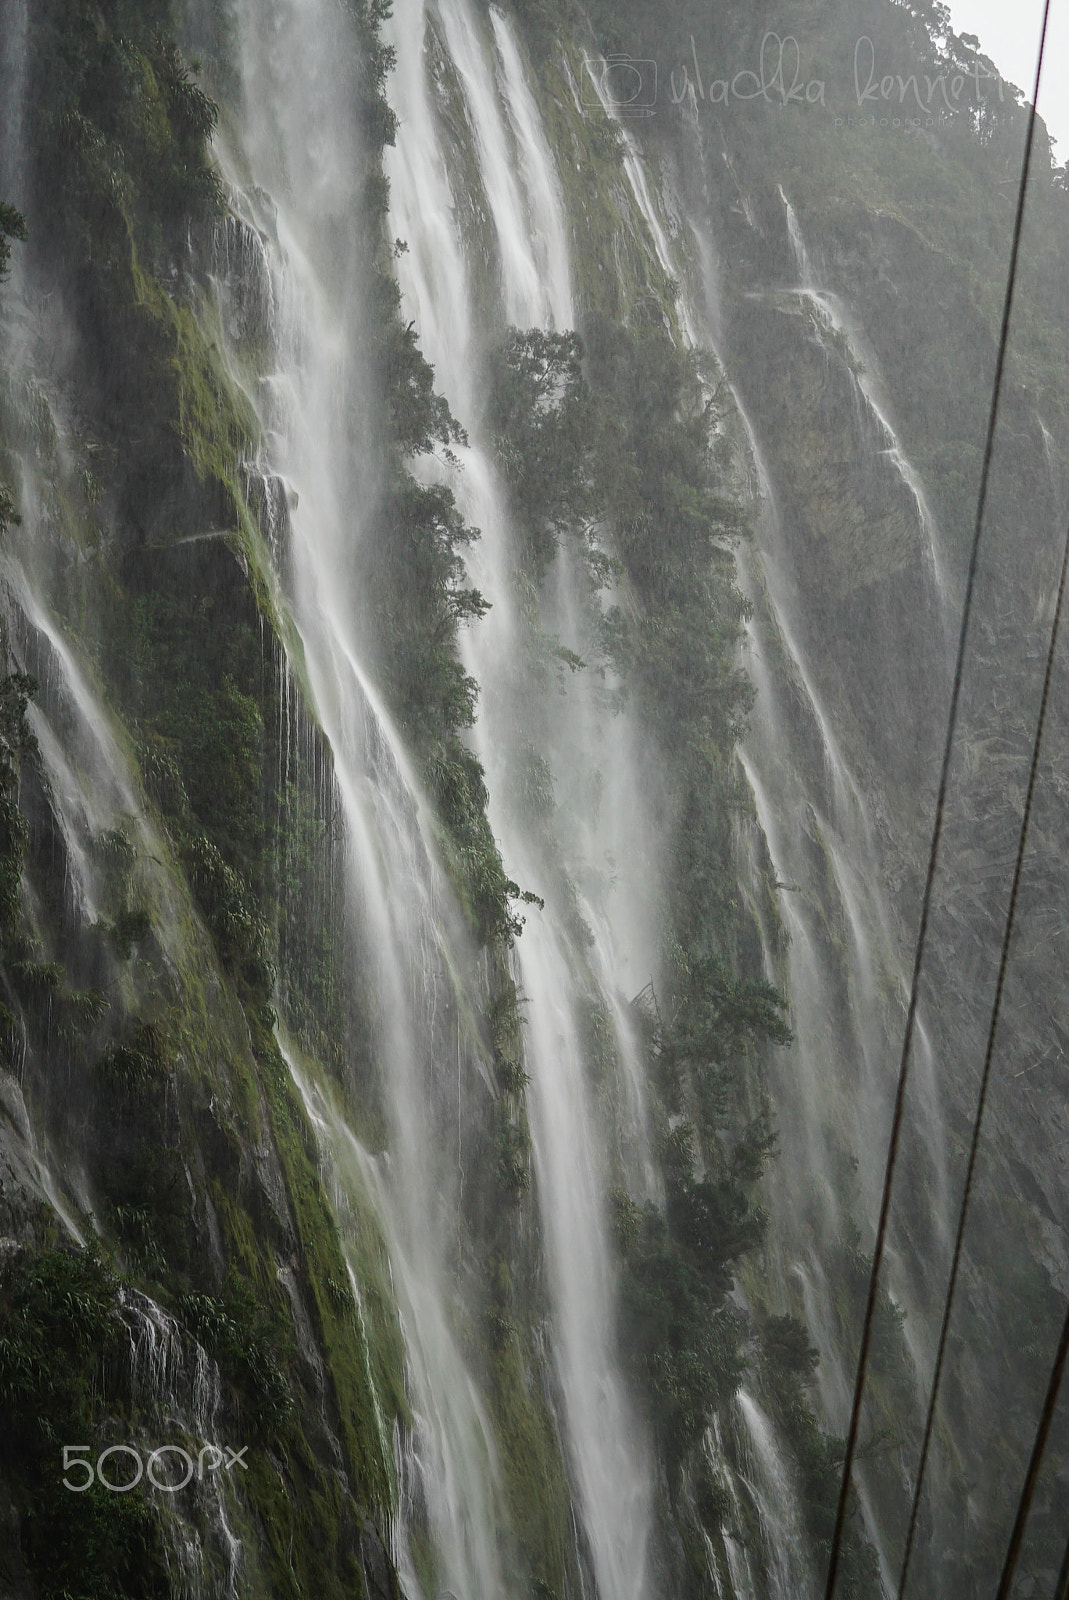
(1008, 31)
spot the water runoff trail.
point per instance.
(805, 802)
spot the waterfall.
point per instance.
(646, 208)
(609, 1455)
(451, 1453)
(90, 791)
(303, 197)
(462, 1419)
(833, 321)
(841, 961)
(539, 176)
(802, 264)
(799, 802)
(777, 1506)
(820, 834)
(161, 1369)
(847, 976)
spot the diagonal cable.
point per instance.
(933, 858)
(1061, 1588)
(985, 1075)
(1035, 1461)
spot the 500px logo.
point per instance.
(210, 1458)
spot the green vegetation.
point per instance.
(249, 1347)
(220, 903)
(236, 838)
(540, 417)
(413, 584)
(415, 602)
(12, 226)
(59, 1336)
(613, 433)
(535, 1487)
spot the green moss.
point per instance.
(361, 1339)
(536, 1492)
(505, 1024)
(215, 423)
(58, 1331)
(614, 265)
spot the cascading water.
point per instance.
(833, 319)
(90, 793)
(770, 1485)
(451, 1455)
(843, 966)
(160, 1367)
(286, 261)
(833, 815)
(293, 56)
(515, 171)
(443, 1353)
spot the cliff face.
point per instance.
(175, 1273)
(859, 282)
(479, 583)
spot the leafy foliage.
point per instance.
(125, 126)
(679, 1266)
(419, 418)
(541, 417)
(12, 226)
(681, 1339)
(250, 1348)
(136, 1064)
(58, 1332)
(674, 531)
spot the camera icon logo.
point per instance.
(622, 85)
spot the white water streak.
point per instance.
(608, 1452)
(300, 141)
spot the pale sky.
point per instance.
(1008, 31)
